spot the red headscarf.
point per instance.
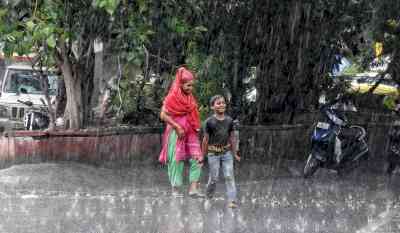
(177, 103)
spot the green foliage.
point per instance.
(389, 102)
(353, 69)
(210, 76)
(62, 33)
(109, 5)
(384, 26)
(291, 44)
(29, 35)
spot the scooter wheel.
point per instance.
(311, 166)
(390, 168)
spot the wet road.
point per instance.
(71, 197)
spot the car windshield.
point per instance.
(26, 81)
(371, 80)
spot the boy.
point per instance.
(220, 147)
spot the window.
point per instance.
(26, 80)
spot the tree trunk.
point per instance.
(43, 73)
(98, 77)
(74, 97)
(50, 105)
(61, 98)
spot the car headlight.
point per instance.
(3, 111)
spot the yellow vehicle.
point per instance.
(364, 84)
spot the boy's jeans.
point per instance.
(214, 162)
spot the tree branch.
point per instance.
(382, 76)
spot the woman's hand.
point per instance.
(180, 131)
(165, 117)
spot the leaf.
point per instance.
(8, 50)
(3, 12)
(30, 25)
(180, 29)
(173, 22)
(108, 5)
(51, 42)
(47, 31)
(200, 29)
(150, 32)
(130, 56)
(142, 5)
(10, 38)
(22, 50)
(137, 61)
(142, 38)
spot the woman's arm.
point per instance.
(164, 116)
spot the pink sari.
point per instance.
(187, 147)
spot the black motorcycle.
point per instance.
(334, 143)
(36, 118)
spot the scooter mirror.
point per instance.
(29, 103)
(322, 99)
(23, 90)
(43, 102)
(349, 107)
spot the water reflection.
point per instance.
(273, 204)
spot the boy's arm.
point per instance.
(232, 140)
(206, 138)
(204, 144)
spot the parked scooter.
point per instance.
(334, 143)
(393, 157)
(36, 118)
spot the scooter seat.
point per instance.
(349, 133)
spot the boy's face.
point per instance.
(219, 106)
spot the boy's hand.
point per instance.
(200, 161)
(237, 157)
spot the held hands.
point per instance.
(200, 161)
(397, 108)
(237, 157)
(180, 131)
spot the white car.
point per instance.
(21, 83)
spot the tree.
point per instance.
(385, 28)
(290, 47)
(64, 32)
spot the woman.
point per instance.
(180, 141)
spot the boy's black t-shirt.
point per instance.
(218, 130)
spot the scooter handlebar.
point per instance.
(362, 130)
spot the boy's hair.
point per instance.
(214, 98)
